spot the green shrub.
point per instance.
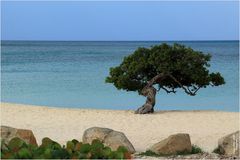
(217, 150)
(49, 149)
(195, 150)
(149, 153)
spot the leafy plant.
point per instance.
(163, 68)
(217, 150)
(149, 153)
(49, 149)
(195, 150)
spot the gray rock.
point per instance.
(115, 139)
(109, 137)
(95, 133)
(174, 144)
(229, 144)
(7, 133)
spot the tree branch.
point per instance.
(168, 91)
(196, 90)
(211, 84)
(184, 88)
(154, 79)
(164, 75)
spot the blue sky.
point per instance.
(185, 20)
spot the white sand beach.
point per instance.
(62, 124)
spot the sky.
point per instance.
(94, 21)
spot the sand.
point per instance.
(62, 124)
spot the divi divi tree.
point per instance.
(163, 68)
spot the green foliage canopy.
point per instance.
(49, 149)
(181, 66)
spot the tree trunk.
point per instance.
(150, 93)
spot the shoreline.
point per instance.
(61, 124)
(99, 109)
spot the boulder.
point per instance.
(115, 139)
(174, 144)
(229, 144)
(95, 133)
(7, 133)
(109, 137)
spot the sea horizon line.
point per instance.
(123, 40)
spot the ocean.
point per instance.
(72, 74)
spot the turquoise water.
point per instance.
(72, 74)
